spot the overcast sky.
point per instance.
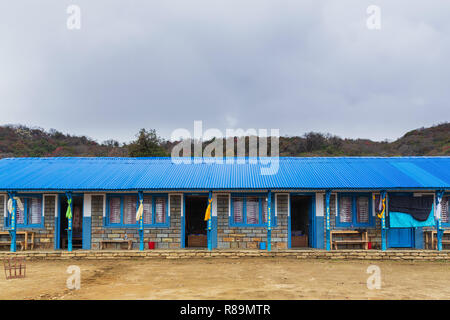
(297, 66)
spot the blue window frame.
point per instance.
(250, 210)
(354, 210)
(121, 211)
(32, 215)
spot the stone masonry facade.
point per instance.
(249, 237)
(164, 238)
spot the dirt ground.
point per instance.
(244, 278)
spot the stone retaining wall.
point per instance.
(409, 255)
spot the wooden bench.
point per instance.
(103, 242)
(431, 239)
(8, 244)
(26, 235)
(363, 241)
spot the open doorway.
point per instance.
(301, 226)
(195, 224)
(77, 222)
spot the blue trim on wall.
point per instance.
(214, 231)
(56, 236)
(183, 224)
(86, 238)
(320, 242)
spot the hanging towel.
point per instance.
(405, 220)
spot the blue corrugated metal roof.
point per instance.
(95, 174)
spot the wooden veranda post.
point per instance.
(383, 199)
(12, 231)
(69, 220)
(141, 221)
(209, 233)
(327, 222)
(269, 221)
(438, 216)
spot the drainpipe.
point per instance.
(12, 231)
(141, 222)
(209, 236)
(327, 222)
(269, 221)
(69, 223)
(439, 229)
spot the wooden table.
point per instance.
(25, 233)
(431, 238)
(364, 238)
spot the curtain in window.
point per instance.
(34, 210)
(147, 209)
(264, 209)
(362, 209)
(444, 216)
(160, 210)
(114, 210)
(20, 214)
(345, 210)
(238, 208)
(252, 210)
(129, 209)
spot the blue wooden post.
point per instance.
(269, 221)
(141, 222)
(69, 227)
(209, 233)
(383, 199)
(439, 229)
(12, 231)
(327, 222)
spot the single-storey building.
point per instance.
(322, 203)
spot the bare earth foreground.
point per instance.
(244, 278)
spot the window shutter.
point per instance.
(114, 210)
(148, 210)
(252, 210)
(34, 207)
(160, 210)
(444, 204)
(264, 209)
(238, 207)
(129, 210)
(362, 208)
(345, 210)
(20, 214)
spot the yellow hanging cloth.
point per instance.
(140, 210)
(383, 200)
(208, 211)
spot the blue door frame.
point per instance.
(61, 198)
(183, 220)
(312, 241)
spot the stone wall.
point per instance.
(374, 233)
(164, 238)
(249, 237)
(43, 237)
